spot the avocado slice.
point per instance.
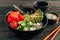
(38, 15)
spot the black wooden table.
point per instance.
(6, 34)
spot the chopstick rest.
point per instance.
(52, 33)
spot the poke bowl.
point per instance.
(27, 24)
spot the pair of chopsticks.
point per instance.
(54, 33)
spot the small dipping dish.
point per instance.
(53, 18)
(41, 4)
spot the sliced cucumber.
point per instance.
(30, 24)
(26, 28)
(19, 28)
(23, 24)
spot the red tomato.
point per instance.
(14, 16)
(14, 24)
(20, 17)
(9, 19)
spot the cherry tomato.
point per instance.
(14, 16)
(14, 24)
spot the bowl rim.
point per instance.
(22, 30)
(34, 4)
(52, 12)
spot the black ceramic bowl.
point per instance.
(27, 34)
(41, 4)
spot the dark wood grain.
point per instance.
(27, 2)
(6, 34)
(6, 5)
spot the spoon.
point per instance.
(16, 7)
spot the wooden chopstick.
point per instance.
(55, 34)
(51, 33)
